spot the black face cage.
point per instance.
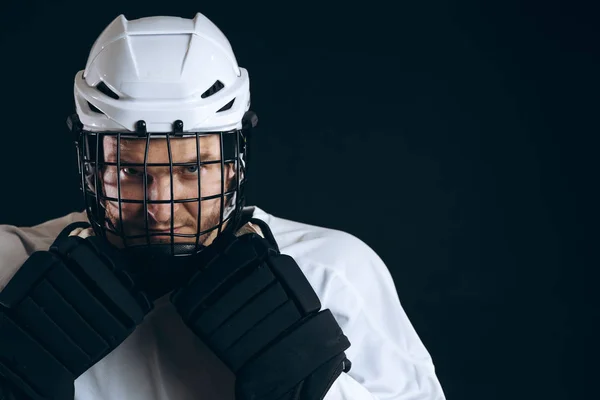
(234, 146)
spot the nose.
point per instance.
(159, 189)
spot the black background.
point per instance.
(457, 139)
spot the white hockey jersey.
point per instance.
(164, 360)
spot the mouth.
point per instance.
(176, 229)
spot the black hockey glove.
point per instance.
(259, 314)
(63, 311)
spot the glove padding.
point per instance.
(259, 314)
(63, 311)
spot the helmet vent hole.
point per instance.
(218, 85)
(94, 108)
(227, 106)
(106, 90)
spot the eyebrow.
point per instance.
(125, 158)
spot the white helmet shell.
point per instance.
(160, 70)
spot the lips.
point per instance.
(176, 229)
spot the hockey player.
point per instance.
(168, 286)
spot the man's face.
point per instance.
(185, 186)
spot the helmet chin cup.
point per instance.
(156, 271)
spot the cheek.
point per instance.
(211, 181)
(127, 209)
(208, 209)
(129, 190)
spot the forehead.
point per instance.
(208, 145)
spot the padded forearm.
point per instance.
(258, 313)
(62, 312)
(309, 357)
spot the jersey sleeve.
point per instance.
(389, 360)
(15, 248)
(18, 243)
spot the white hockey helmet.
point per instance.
(160, 70)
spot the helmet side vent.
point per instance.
(106, 90)
(227, 106)
(94, 108)
(218, 85)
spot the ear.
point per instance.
(231, 171)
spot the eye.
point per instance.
(131, 171)
(192, 169)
